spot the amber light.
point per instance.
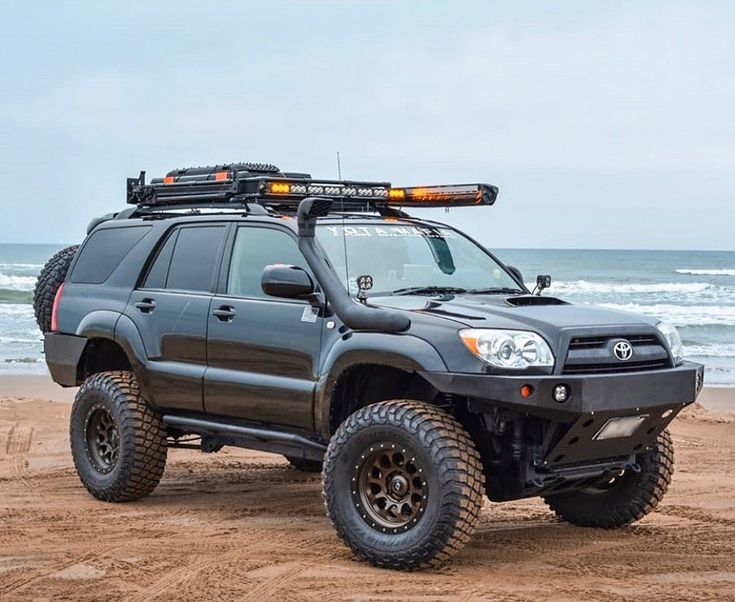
(526, 391)
(280, 188)
(169, 180)
(222, 175)
(396, 194)
(437, 195)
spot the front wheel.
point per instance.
(403, 484)
(625, 498)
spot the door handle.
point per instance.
(146, 305)
(224, 313)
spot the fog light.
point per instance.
(561, 393)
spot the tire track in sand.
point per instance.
(17, 446)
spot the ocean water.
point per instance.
(695, 290)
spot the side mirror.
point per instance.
(287, 281)
(516, 273)
(542, 281)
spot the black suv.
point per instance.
(241, 305)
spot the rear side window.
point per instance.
(103, 252)
(187, 260)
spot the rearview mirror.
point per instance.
(286, 281)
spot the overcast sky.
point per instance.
(605, 125)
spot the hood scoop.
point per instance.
(528, 300)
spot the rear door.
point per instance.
(262, 351)
(170, 310)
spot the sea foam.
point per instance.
(707, 272)
(683, 315)
(584, 286)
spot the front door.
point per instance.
(262, 351)
(170, 310)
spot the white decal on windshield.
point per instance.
(390, 232)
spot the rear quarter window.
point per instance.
(103, 252)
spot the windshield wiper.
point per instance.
(428, 290)
(503, 290)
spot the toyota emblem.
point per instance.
(623, 350)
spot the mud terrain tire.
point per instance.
(415, 448)
(627, 499)
(117, 441)
(48, 282)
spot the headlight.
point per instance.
(515, 349)
(673, 340)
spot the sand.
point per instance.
(242, 525)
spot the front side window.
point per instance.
(407, 258)
(254, 249)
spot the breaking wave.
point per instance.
(17, 283)
(584, 286)
(707, 272)
(683, 315)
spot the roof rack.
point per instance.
(243, 184)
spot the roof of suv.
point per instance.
(286, 220)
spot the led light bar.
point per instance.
(326, 188)
(452, 195)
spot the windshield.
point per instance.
(406, 259)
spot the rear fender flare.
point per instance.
(98, 325)
(104, 324)
(405, 352)
(129, 338)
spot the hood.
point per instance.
(546, 315)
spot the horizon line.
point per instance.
(50, 244)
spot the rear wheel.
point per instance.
(623, 499)
(49, 280)
(118, 442)
(403, 484)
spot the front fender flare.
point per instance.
(405, 352)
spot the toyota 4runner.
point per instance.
(240, 305)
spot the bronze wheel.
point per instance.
(103, 439)
(403, 483)
(391, 488)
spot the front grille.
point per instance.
(608, 368)
(594, 354)
(601, 341)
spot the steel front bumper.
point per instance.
(654, 397)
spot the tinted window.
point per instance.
(254, 249)
(103, 252)
(194, 258)
(156, 277)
